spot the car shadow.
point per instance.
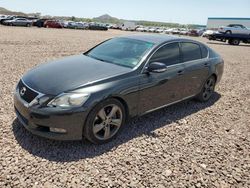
(226, 44)
(66, 151)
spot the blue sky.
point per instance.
(181, 11)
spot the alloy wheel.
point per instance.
(208, 88)
(107, 122)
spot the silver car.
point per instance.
(19, 22)
(234, 29)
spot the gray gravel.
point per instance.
(186, 145)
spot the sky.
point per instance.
(178, 11)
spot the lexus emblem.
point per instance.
(22, 91)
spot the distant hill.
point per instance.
(103, 19)
(107, 19)
(5, 11)
(9, 12)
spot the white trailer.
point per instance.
(128, 26)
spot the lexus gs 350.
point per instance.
(92, 95)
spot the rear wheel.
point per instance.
(28, 25)
(228, 32)
(207, 90)
(104, 121)
(234, 41)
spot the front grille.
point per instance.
(26, 93)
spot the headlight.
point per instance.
(67, 100)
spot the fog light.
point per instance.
(57, 130)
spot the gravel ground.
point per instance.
(186, 145)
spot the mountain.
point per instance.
(9, 12)
(107, 19)
(5, 11)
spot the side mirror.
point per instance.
(157, 67)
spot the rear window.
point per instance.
(190, 51)
(204, 51)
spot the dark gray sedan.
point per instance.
(93, 94)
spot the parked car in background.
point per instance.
(140, 29)
(39, 22)
(160, 30)
(208, 32)
(176, 31)
(77, 25)
(234, 29)
(19, 22)
(3, 17)
(115, 26)
(184, 32)
(2, 20)
(92, 95)
(169, 31)
(193, 32)
(97, 27)
(53, 24)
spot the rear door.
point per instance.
(194, 58)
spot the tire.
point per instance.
(235, 41)
(207, 90)
(100, 126)
(28, 25)
(11, 24)
(228, 32)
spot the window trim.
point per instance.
(163, 47)
(182, 51)
(179, 43)
(154, 51)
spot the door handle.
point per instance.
(206, 64)
(180, 72)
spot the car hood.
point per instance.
(70, 73)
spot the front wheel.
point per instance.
(207, 90)
(104, 121)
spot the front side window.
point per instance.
(168, 54)
(190, 51)
(121, 51)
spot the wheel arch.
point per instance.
(124, 103)
(215, 76)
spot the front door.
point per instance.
(159, 89)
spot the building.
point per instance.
(215, 23)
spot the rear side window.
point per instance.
(190, 51)
(204, 51)
(168, 54)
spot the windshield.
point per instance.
(121, 51)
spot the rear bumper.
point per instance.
(39, 121)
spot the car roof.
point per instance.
(156, 38)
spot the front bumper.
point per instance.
(39, 120)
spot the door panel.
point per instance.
(196, 67)
(196, 72)
(158, 89)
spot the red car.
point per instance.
(52, 24)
